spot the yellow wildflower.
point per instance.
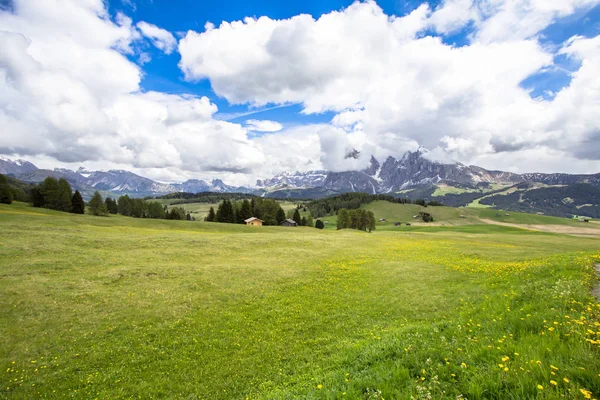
(540, 387)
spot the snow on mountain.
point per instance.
(293, 180)
(9, 167)
(413, 169)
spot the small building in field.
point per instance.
(289, 222)
(254, 221)
(382, 220)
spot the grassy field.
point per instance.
(117, 307)
(449, 216)
(442, 189)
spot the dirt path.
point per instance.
(565, 229)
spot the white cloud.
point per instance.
(161, 38)
(263, 125)
(68, 91)
(392, 88)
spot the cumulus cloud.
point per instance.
(68, 91)
(161, 38)
(263, 125)
(395, 87)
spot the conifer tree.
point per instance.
(303, 221)
(155, 210)
(6, 195)
(280, 215)
(36, 197)
(371, 226)
(64, 196)
(124, 206)
(51, 193)
(309, 221)
(245, 210)
(319, 224)
(97, 206)
(211, 215)
(77, 203)
(229, 212)
(296, 217)
(343, 219)
(111, 205)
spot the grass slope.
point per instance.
(118, 307)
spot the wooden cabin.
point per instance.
(254, 221)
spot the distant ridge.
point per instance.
(414, 175)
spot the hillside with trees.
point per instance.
(236, 212)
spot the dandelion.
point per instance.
(505, 358)
(319, 386)
(553, 367)
(540, 387)
(566, 380)
(553, 383)
(586, 393)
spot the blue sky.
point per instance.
(162, 73)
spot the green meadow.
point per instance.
(117, 307)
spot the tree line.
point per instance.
(12, 189)
(352, 201)
(140, 208)
(267, 210)
(57, 194)
(356, 219)
(237, 212)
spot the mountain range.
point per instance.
(414, 175)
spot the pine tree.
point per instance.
(343, 219)
(155, 210)
(77, 203)
(211, 215)
(245, 210)
(309, 221)
(6, 195)
(138, 208)
(229, 212)
(303, 221)
(296, 217)
(280, 215)
(371, 226)
(97, 206)
(124, 206)
(51, 193)
(36, 197)
(64, 196)
(111, 205)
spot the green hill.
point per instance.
(449, 216)
(119, 307)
